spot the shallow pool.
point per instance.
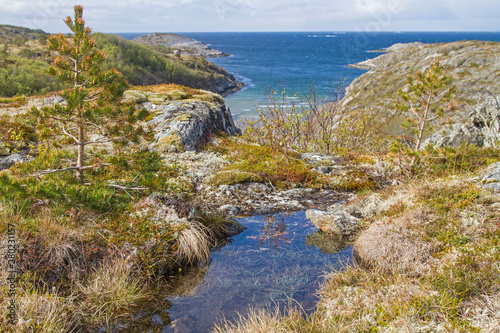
(268, 265)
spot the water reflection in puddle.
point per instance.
(267, 265)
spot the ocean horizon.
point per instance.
(297, 61)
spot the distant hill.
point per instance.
(11, 34)
(184, 44)
(474, 65)
(24, 60)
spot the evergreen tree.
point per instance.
(425, 98)
(79, 63)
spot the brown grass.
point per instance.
(194, 244)
(265, 321)
(110, 291)
(397, 245)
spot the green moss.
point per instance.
(134, 96)
(177, 95)
(356, 180)
(281, 169)
(184, 117)
(171, 144)
(231, 177)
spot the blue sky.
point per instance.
(258, 15)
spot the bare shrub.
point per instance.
(314, 125)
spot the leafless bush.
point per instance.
(313, 124)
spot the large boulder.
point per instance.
(338, 224)
(467, 133)
(187, 125)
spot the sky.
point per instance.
(257, 15)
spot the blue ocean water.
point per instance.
(295, 60)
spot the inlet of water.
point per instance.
(274, 262)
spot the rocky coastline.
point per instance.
(181, 44)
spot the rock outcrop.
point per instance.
(490, 179)
(9, 160)
(475, 65)
(187, 125)
(481, 129)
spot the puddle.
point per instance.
(268, 265)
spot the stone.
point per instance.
(323, 169)
(51, 100)
(490, 179)
(8, 161)
(337, 223)
(134, 96)
(166, 210)
(265, 210)
(229, 210)
(466, 133)
(186, 126)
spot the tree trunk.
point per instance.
(79, 160)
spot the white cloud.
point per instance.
(238, 15)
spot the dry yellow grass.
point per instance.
(110, 291)
(194, 244)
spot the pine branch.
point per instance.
(49, 171)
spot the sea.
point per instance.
(299, 62)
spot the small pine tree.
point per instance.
(424, 98)
(79, 64)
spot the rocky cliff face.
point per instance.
(183, 122)
(475, 65)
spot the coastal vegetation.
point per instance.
(95, 248)
(24, 61)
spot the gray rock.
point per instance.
(481, 129)
(486, 117)
(186, 126)
(338, 223)
(316, 158)
(164, 209)
(259, 187)
(265, 210)
(467, 133)
(8, 161)
(490, 179)
(53, 100)
(323, 169)
(229, 210)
